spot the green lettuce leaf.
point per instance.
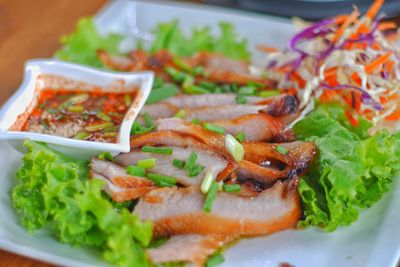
(169, 36)
(53, 190)
(349, 173)
(82, 45)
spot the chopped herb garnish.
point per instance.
(234, 147)
(215, 260)
(182, 65)
(103, 116)
(269, 93)
(247, 90)
(162, 180)
(196, 121)
(161, 93)
(137, 128)
(75, 109)
(136, 170)
(106, 156)
(158, 82)
(127, 100)
(98, 127)
(231, 188)
(110, 134)
(206, 184)
(199, 70)
(146, 163)
(195, 90)
(192, 168)
(214, 128)
(241, 99)
(187, 82)
(180, 164)
(158, 150)
(281, 150)
(81, 136)
(181, 114)
(175, 74)
(210, 198)
(240, 137)
(148, 120)
(208, 85)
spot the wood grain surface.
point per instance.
(32, 29)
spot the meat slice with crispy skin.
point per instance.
(180, 211)
(188, 248)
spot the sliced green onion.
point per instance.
(175, 74)
(240, 137)
(195, 90)
(255, 84)
(148, 120)
(214, 128)
(187, 82)
(181, 114)
(206, 184)
(180, 164)
(110, 134)
(75, 109)
(247, 90)
(215, 260)
(196, 121)
(281, 150)
(81, 136)
(139, 129)
(182, 65)
(106, 156)
(157, 150)
(104, 116)
(234, 147)
(191, 162)
(210, 198)
(127, 100)
(78, 98)
(162, 180)
(241, 99)
(208, 85)
(161, 93)
(146, 163)
(98, 127)
(231, 188)
(269, 93)
(199, 70)
(136, 170)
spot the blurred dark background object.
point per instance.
(308, 9)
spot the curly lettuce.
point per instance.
(53, 190)
(170, 37)
(351, 171)
(82, 45)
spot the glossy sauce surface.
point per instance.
(83, 115)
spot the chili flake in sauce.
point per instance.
(93, 116)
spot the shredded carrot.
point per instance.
(377, 62)
(376, 46)
(394, 116)
(327, 95)
(349, 20)
(351, 118)
(387, 25)
(267, 49)
(339, 19)
(374, 9)
(296, 77)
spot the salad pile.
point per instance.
(346, 68)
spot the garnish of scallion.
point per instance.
(81, 136)
(281, 150)
(210, 198)
(98, 127)
(146, 163)
(206, 184)
(240, 137)
(192, 168)
(180, 164)
(157, 150)
(162, 180)
(231, 188)
(234, 147)
(214, 128)
(136, 170)
(106, 156)
(180, 114)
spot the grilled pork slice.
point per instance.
(117, 174)
(121, 194)
(180, 211)
(226, 112)
(262, 161)
(160, 110)
(256, 127)
(187, 248)
(213, 163)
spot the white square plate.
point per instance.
(374, 240)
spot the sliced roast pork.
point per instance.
(188, 248)
(180, 211)
(212, 162)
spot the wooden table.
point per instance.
(32, 29)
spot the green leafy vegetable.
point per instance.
(169, 36)
(351, 171)
(53, 190)
(82, 45)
